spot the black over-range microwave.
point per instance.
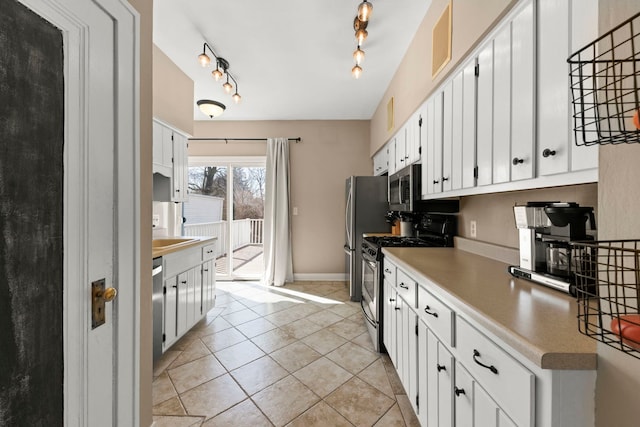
(405, 193)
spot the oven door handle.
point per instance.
(366, 316)
(347, 249)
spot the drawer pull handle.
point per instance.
(458, 391)
(433, 313)
(397, 308)
(547, 152)
(492, 368)
(392, 299)
(441, 368)
(386, 270)
(403, 286)
(516, 161)
(184, 282)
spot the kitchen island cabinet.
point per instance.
(501, 351)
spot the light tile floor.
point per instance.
(299, 355)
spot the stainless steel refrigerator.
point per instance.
(365, 211)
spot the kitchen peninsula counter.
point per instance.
(538, 322)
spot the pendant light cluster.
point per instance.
(207, 106)
(360, 24)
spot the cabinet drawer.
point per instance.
(406, 288)
(389, 272)
(436, 314)
(208, 252)
(177, 262)
(509, 383)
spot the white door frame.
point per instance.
(70, 16)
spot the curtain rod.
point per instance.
(298, 139)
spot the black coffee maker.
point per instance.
(546, 230)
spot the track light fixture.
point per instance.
(207, 106)
(360, 23)
(364, 11)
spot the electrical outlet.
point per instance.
(155, 221)
(473, 229)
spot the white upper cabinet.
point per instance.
(170, 159)
(468, 121)
(522, 94)
(564, 26)
(381, 161)
(484, 142)
(391, 155)
(431, 137)
(162, 150)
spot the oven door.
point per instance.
(370, 283)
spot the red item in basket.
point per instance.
(636, 119)
(628, 328)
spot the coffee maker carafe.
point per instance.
(545, 231)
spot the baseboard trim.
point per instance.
(320, 277)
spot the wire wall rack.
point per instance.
(607, 276)
(605, 87)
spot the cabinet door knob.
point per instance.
(547, 152)
(441, 368)
(392, 299)
(516, 161)
(476, 355)
(458, 391)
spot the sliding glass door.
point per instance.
(226, 200)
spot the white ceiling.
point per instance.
(292, 58)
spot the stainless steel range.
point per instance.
(432, 230)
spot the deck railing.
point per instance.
(245, 232)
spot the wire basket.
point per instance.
(607, 277)
(605, 82)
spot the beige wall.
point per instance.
(412, 83)
(330, 151)
(493, 213)
(145, 9)
(172, 93)
(617, 399)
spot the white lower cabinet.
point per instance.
(189, 290)
(452, 373)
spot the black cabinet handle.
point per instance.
(386, 270)
(406, 157)
(458, 391)
(547, 152)
(442, 368)
(445, 179)
(492, 368)
(397, 308)
(184, 282)
(433, 313)
(436, 181)
(403, 286)
(402, 160)
(516, 161)
(391, 299)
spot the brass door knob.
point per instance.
(110, 294)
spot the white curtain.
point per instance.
(277, 225)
